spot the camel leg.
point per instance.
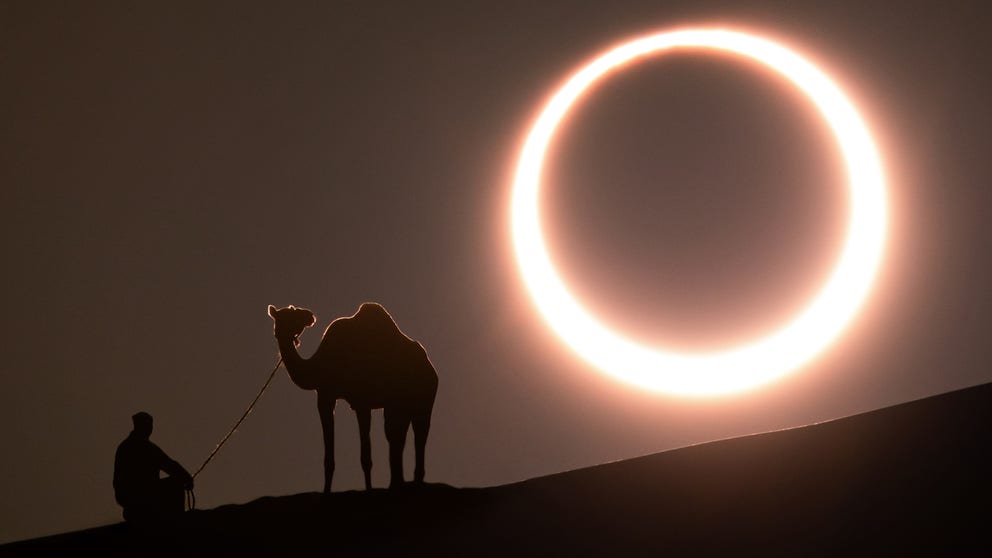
(325, 406)
(364, 424)
(421, 426)
(397, 424)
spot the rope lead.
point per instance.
(191, 499)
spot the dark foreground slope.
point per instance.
(909, 479)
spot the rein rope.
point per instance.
(190, 497)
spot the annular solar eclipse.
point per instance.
(761, 360)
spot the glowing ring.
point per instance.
(744, 366)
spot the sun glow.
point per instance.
(749, 365)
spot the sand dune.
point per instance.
(908, 479)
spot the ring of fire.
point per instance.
(749, 365)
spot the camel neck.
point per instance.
(297, 366)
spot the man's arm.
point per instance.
(173, 468)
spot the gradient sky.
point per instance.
(170, 169)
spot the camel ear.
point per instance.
(313, 319)
(272, 311)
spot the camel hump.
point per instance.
(372, 317)
(374, 312)
(371, 329)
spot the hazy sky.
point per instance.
(168, 170)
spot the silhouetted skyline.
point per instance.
(170, 170)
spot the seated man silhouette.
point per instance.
(137, 486)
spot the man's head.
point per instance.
(142, 424)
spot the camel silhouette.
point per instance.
(366, 360)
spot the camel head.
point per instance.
(291, 321)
